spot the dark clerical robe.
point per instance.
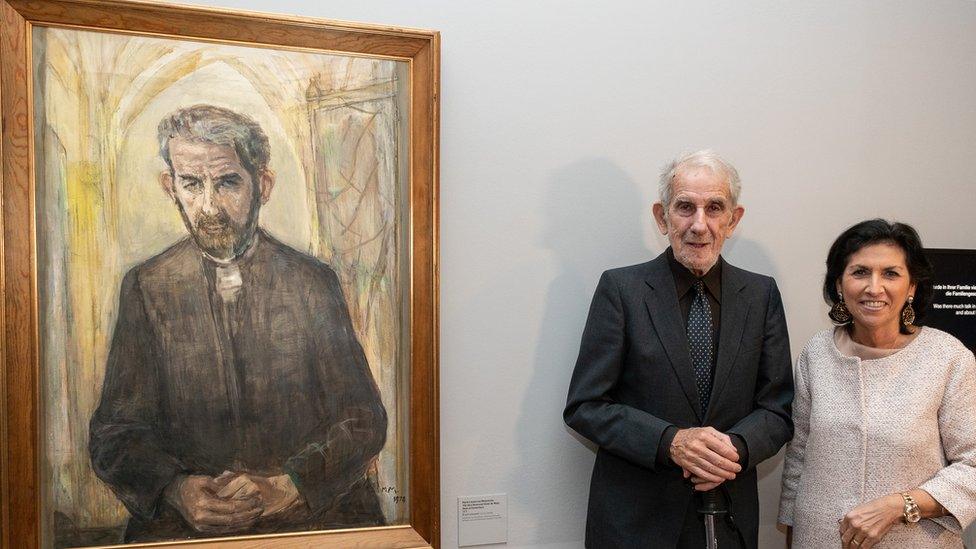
(270, 382)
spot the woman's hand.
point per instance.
(865, 525)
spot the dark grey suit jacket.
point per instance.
(290, 394)
(634, 378)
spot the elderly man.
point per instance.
(237, 398)
(684, 377)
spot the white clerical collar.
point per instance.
(228, 272)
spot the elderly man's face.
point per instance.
(699, 219)
(217, 197)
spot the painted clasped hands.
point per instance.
(231, 501)
(276, 493)
(706, 456)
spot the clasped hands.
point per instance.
(706, 456)
(232, 501)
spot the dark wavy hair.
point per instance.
(878, 231)
(220, 126)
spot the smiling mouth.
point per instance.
(873, 305)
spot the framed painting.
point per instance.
(219, 279)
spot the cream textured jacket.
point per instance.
(868, 428)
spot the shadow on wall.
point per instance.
(593, 217)
(750, 255)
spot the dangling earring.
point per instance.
(839, 313)
(908, 312)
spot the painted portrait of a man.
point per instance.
(222, 267)
(236, 397)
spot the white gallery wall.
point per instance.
(556, 117)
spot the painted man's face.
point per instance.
(217, 197)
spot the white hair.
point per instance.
(707, 159)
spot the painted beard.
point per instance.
(220, 237)
(216, 235)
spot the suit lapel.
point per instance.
(734, 313)
(662, 305)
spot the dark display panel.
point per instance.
(953, 306)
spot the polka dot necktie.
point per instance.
(700, 341)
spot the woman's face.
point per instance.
(875, 285)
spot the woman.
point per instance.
(884, 453)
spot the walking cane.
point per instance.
(710, 505)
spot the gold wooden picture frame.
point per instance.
(350, 115)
